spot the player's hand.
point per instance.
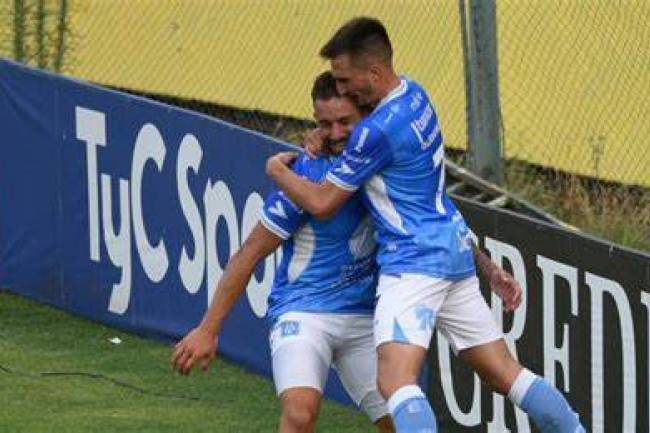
(279, 161)
(314, 143)
(506, 287)
(199, 346)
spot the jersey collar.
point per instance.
(395, 93)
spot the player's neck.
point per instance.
(392, 82)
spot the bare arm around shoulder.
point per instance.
(200, 344)
(321, 200)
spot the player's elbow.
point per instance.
(250, 254)
(323, 210)
(325, 214)
(246, 257)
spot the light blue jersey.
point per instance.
(327, 266)
(397, 154)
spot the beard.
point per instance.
(364, 100)
(335, 147)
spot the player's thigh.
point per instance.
(468, 324)
(405, 317)
(465, 319)
(301, 352)
(407, 308)
(355, 360)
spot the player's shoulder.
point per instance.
(369, 129)
(396, 105)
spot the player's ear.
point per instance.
(375, 72)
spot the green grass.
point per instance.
(35, 339)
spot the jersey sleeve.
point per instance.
(279, 214)
(366, 153)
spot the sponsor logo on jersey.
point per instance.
(416, 101)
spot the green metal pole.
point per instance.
(62, 30)
(482, 89)
(19, 30)
(40, 35)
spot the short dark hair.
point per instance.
(360, 36)
(324, 87)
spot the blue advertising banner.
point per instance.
(126, 211)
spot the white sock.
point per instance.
(521, 385)
(403, 394)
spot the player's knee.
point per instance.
(386, 386)
(392, 377)
(300, 415)
(390, 382)
(499, 378)
(498, 373)
(395, 370)
(496, 382)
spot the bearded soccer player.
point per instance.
(427, 273)
(303, 325)
(323, 295)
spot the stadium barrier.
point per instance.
(125, 211)
(583, 325)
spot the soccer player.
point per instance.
(323, 295)
(427, 274)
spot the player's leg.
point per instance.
(546, 406)
(355, 361)
(398, 368)
(301, 356)
(385, 424)
(467, 322)
(300, 407)
(404, 321)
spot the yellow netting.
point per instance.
(574, 76)
(575, 85)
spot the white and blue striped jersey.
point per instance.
(327, 266)
(397, 154)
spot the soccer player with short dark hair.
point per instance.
(323, 294)
(427, 273)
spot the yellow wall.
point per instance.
(259, 54)
(574, 75)
(575, 85)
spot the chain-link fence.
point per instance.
(574, 76)
(574, 81)
(256, 57)
(37, 32)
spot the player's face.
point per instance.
(354, 80)
(337, 118)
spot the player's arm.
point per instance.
(201, 343)
(501, 282)
(321, 200)
(366, 153)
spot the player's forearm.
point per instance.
(303, 193)
(232, 284)
(485, 265)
